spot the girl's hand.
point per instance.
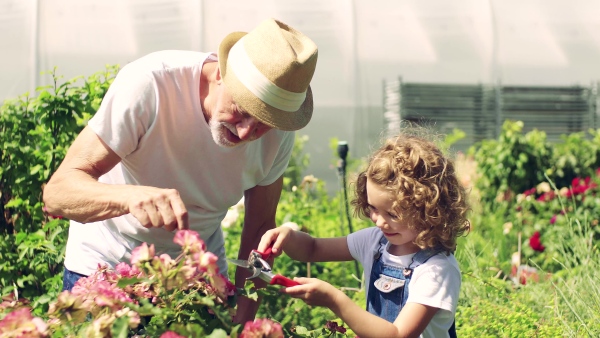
(276, 239)
(313, 291)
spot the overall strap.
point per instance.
(422, 256)
(378, 251)
(418, 258)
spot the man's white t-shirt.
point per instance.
(152, 118)
(435, 283)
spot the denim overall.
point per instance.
(387, 304)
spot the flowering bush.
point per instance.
(549, 216)
(154, 295)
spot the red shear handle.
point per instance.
(283, 281)
(266, 254)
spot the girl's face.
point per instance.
(401, 238)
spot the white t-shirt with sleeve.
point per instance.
(435, 283)
(152, 118)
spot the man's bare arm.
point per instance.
(261, 206)
(75, 193)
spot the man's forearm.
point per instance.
(247, 308)
(76, 196)
(250, 239)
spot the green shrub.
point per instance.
(489, 318)
(578, 155)
(511, 164)
(35, 133)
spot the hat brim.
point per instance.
(265, 113)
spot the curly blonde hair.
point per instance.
(429, 196)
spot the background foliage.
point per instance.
(515, 283)
(35, 132)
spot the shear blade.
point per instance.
(243, 264)
(255, 274)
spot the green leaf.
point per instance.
(44, 299)
(123, 282)
(120, 328)
(35, 169)
(14, 203)
(301, 330)
(218, 333)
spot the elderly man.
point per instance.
(179, 138)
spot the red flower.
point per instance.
(333, 327)
(529, 192)
(553, 219)
(535, 243)
(579, 186)
(524, 273)
(546, 197)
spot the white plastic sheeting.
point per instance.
(361, 43)
(518, 42)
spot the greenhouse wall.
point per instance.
(362, 44)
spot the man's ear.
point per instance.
(218, 75)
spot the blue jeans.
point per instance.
(69, 279)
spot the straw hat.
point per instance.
(268, 72)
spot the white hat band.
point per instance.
(260, 85)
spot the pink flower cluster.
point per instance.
(100, 298)
(20, 323)
(171, 334)
(262, 328)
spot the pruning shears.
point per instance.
(259, 267)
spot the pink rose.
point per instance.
(262, 328)
(190, 241)
(142, 253)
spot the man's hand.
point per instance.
(156, 208)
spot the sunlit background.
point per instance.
(364, 46)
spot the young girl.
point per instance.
(410, 191)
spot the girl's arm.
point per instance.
(411, 321)
(303, 247)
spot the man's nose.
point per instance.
(247, 128)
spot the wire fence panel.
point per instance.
(480, 110)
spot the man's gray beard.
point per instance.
(217, 130)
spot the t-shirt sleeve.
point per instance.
(362, 243)
(127, 111)
(437, 284)
(281, 160)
